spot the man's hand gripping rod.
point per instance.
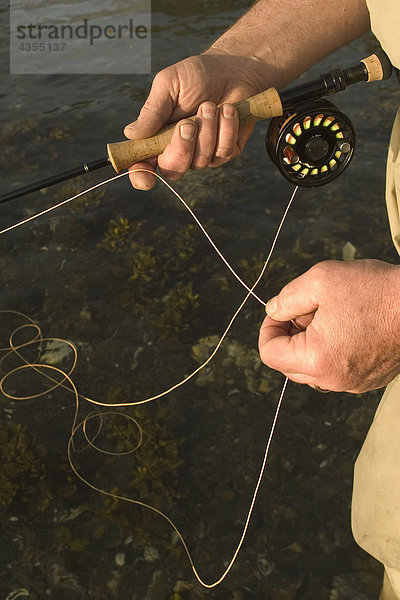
(265, 105)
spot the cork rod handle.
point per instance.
(123, 155)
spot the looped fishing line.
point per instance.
(49, 373)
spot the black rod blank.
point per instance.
(64, 176)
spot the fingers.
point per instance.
(235, 148)
(172, 164)
(207, 122)
(297, 298)
(289, 340)
(212, 137)
(284, 350)
(226, 146)
(178, 156)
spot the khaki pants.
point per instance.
(389, 589)
(376, 493)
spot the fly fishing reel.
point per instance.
(313, 145)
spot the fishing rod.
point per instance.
(309, 139)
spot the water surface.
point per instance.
(127, 277)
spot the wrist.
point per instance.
(257, 60)
(284, 43)
(244, 69)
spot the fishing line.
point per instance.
(233, 318)
(49, 371)
(47, 210)
(310, 145)
(111, 179)
(76, 426)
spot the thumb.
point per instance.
(154, 113)
(297, 298)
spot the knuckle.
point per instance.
(201, 161)
(325, 268)
(162, 78)
(148, 110)
(225, 152)
(172, 174)
(321, 274)
(217, 162)
(204, 151)
(174, 167)
(318, 270)
(228, 151)
(183, 154)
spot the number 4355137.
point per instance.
(42, 46)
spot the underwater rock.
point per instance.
(203, 349)
(55, 352)
(237, 362)
(151, 554)
(182, 586)
(265, 566)
(348, 251)
(85, 314)
(120, 559)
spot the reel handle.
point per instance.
(122, 155)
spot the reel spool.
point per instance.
(312, 146)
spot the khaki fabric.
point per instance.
(391, 585)
(376, 492)
(385, 23)
(393, 181)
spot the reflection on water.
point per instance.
(128, 278)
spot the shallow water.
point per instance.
(128, 278)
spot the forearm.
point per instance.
(286, 38)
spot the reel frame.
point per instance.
(311, 145)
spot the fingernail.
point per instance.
(271, 305)
(228, 111)
(208, 111)
(187, 131)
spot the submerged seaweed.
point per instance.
(131, 282)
